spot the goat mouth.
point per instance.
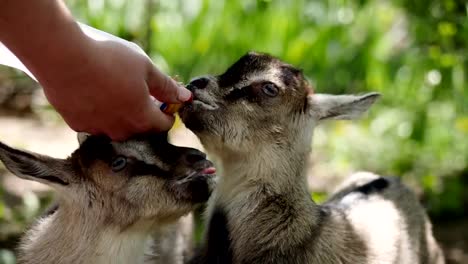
(209, 170)
(205, 168)
(204, 104)
(202, 100)
(197, 183)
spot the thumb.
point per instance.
(165, 89)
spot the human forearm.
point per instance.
(42, 34)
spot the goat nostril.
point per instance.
(199, 83)
(193, 157)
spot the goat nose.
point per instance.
(198, 83)
(194, 156)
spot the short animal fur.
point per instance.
(111, 197)
(256, 122)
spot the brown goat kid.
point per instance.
(111, 197)
(256, 122)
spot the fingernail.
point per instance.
(191, 98)
(184, 94)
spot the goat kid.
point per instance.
(256, 122)
(111, 197)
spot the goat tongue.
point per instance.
(210, 170)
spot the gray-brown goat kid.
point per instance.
(256, 122)
(111, 198)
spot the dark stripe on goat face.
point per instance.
(141, 168)
(238, 93)
(99, 148)
(244, 66)
(374, 186)
(291, 76)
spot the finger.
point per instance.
(166, 89)
(158, 121)
(149, 119)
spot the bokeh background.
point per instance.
(414, 52)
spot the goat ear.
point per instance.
(326, 106)
(31, 166)
(82, 136)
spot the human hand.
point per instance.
(99, 87)
(108, 91)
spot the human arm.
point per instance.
(96, 86)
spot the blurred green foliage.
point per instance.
(413, 52)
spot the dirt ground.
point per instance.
(55, 139)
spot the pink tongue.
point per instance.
(209, 170)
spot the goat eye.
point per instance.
(119, 163)
(270, 89)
